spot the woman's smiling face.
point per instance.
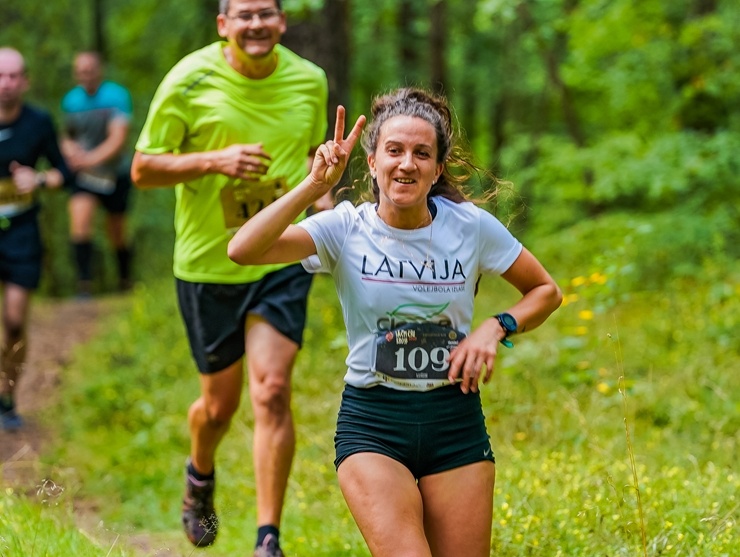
(405, 161)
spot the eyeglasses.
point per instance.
(265, 16)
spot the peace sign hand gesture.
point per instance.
(331, 157)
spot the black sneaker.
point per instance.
(9, 419)
(198, 515)
(269, 548)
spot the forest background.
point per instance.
(616, 123)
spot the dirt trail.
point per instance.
(55, 329)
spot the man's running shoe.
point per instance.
(269, 548)
(198, 515)
(9, 419)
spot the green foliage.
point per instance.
(691, 171)
(43, 525)
(585, 106)
(150, 231)
(651, 86)
(637, 218)
(687, 167)
(374, 23)
(639, 344)
(130, 425)
(660, 363)
(640, 252)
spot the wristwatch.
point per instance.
(509, 325)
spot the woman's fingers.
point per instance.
(467, 365)
(470, 374)
(348, 143)
(339, 125)
(354, 135)
(489, 369)
(331, 157)
(325, 152)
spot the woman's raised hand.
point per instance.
(331, 157)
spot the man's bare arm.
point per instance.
(248, 161)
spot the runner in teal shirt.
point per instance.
(97, 117)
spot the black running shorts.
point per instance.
(428, 432)
(21, 250)
(115, 202)
(215, 314)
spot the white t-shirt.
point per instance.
(406, 295)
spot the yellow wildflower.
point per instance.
(598, 278)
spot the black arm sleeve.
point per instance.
(52, 153)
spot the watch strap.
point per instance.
(509, 325)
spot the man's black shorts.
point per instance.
(428, 432)
(21, 250)
(115, 202)
(215, 314)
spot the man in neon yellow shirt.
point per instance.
(230, 127)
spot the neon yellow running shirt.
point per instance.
(203, 104)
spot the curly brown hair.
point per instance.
(434, 109)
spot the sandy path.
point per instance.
(55, 329)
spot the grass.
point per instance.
(43, 524)
(615, 425)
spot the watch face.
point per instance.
(508, 322)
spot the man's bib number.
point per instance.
(245, 199)
(12, 202)
(416, 351)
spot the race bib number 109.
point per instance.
(416, 351)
